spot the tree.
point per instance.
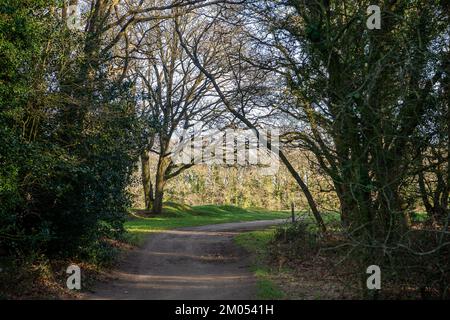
(241, 113)
(68, 131)
(364, 96)
(175, 97)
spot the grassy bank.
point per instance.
(275, 277)
(282, 275)
(256, 242)
(292, 262)
(177, 215)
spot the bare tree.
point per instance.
(175, 96)
(237, 105)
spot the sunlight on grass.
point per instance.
(177, 215)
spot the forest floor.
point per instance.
(292, 261)
(283, 275)
(201, 252)
(43, 278)
(187, 263)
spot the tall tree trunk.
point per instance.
(160, 183)
(146, 180)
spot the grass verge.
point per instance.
(256, 242)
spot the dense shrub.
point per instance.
(63, 179)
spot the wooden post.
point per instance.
(292, 212)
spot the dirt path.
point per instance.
(189, 263)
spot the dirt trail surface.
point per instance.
(188, 263)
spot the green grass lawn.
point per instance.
(177, 215)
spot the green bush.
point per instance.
(64, 165)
